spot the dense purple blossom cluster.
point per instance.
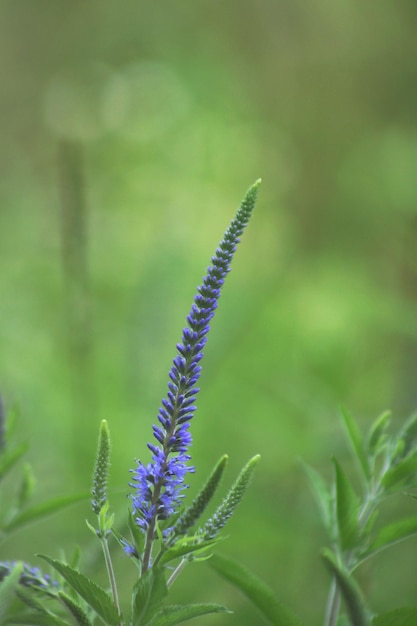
(158, 486)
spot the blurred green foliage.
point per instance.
(129, 132)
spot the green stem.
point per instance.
(333, 604)
(110, 572)
(150, 534)
(176, 572)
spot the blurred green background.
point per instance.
(129, 133)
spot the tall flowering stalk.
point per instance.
(158, 492)
(158, 486)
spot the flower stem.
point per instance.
(110, 572)
(176, 571)
(333, 603)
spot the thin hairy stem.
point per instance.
(110, 572)
(333, 604)
(176, 572)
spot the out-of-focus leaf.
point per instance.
(148, 595)
(256, 590)
(96, 597)
(349, 590)
(40, 511)
(36, 619)
(369, 524)
(39, 613)
(409, 435)
(10, 458)
(321, 494)
(357, 443)
(26, 487)
(392, 533)
(347, 507)
(402, 473)
(399, 617)
(177, 614)
(377, 432)
(7, 592)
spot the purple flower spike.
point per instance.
(159, 485)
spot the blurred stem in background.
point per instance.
(408, 284)
(78, 325)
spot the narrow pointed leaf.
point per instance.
(322, 495)
(392, 533)
(36, 619)
(76, 611)
(349, 589)
(399, 617)
(401, 474)
(255, 590)
(95, 596)
(188, 546)
(26, 487)
(8, 589)
(148, 595)
(177, 614)
(37, 613)
(377, 432)
(357, 443)
(38, 512)
(10, 458)
(409, 435)
(347, 508)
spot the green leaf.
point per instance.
(10, 458)
(369, 524)
(409, 436)
(401, 474)
(148, 595)
(392, 533)
(399, 617)
(349, 589)
(36, 619)
(40, 511)
(39, 613)
(357, 443)
(75, 557)
(76, 611)
(322, 496)
(377, 435)
(138, 536)
(188, 545)
(26, 487)
(96, 597)
(8, 588)
(255, 590)
(177, 614)
(347, 509)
